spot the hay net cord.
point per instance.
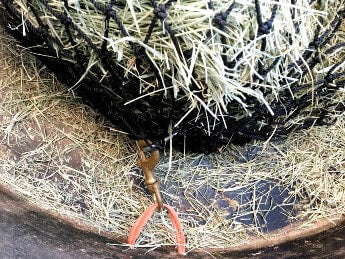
(205, 73)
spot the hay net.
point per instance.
(207, 72)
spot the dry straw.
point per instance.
(62, 156)
(204, 42)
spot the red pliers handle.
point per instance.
(143, 218)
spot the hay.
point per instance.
(191, 21)
(202, 70)
(78, 166)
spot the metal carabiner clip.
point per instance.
(147, 164)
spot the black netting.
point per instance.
(152, 117)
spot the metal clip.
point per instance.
(147, 164)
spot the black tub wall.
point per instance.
(28, 234)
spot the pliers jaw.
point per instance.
(147, 164)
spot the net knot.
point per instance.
(66, 21)
(160, 11)
(265, 28)
(220, 20)
(108, 11)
